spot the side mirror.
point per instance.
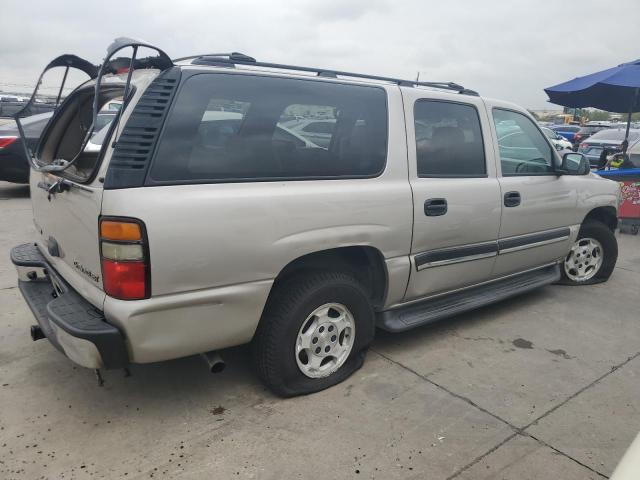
(575, 164)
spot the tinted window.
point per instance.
(239, 127)
(523, 148)
(448, 140)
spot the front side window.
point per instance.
(523, 148)
(226, 128)
(448, 140)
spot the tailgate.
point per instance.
(67, 232)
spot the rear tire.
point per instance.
(301, 310)
(593, 256)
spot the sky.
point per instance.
(508, 49)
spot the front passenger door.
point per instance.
(537, 204)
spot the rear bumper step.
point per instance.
(70, 323)
(414, 315)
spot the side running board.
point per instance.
(416, 314)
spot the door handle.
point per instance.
(512, 199)
(434, 207)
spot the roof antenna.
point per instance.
(418, 77)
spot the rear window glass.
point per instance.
(615, 135)
(241, 127)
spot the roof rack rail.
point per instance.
(236, 58)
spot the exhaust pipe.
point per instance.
(36, 333)
(214, 361)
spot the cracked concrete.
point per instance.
(541, 386)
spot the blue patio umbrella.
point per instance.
(614, 90)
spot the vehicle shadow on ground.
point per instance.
(10, 191)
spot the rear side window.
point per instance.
(226, 128)
(448, 140)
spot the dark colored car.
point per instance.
(14, 167)
(585, 132)
(611, 139)
(567, 131)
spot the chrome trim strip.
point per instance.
(476, 251)
(459, 253)
(533, 245)
(451, 261)
(507, 243)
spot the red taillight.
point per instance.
(6, 141)
(124, 280)
(125, 258)
(584, 145)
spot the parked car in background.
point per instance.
(634, 153)
(610, 138)
(217, 128)
(316, 131)
(567, 131)
(586, 131)
(104, 118)
(558, 140)
(14, 166)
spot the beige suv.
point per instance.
(213, 215)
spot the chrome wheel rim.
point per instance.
(584, 260)
(325, 340)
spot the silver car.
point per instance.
(193, 229)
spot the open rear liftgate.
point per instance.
(65, 318)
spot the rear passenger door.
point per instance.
(456, 194)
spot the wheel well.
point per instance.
(365, 263)
(606, 215)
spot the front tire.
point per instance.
(314, 333)
(592, 257)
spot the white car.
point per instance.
(558, 140)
